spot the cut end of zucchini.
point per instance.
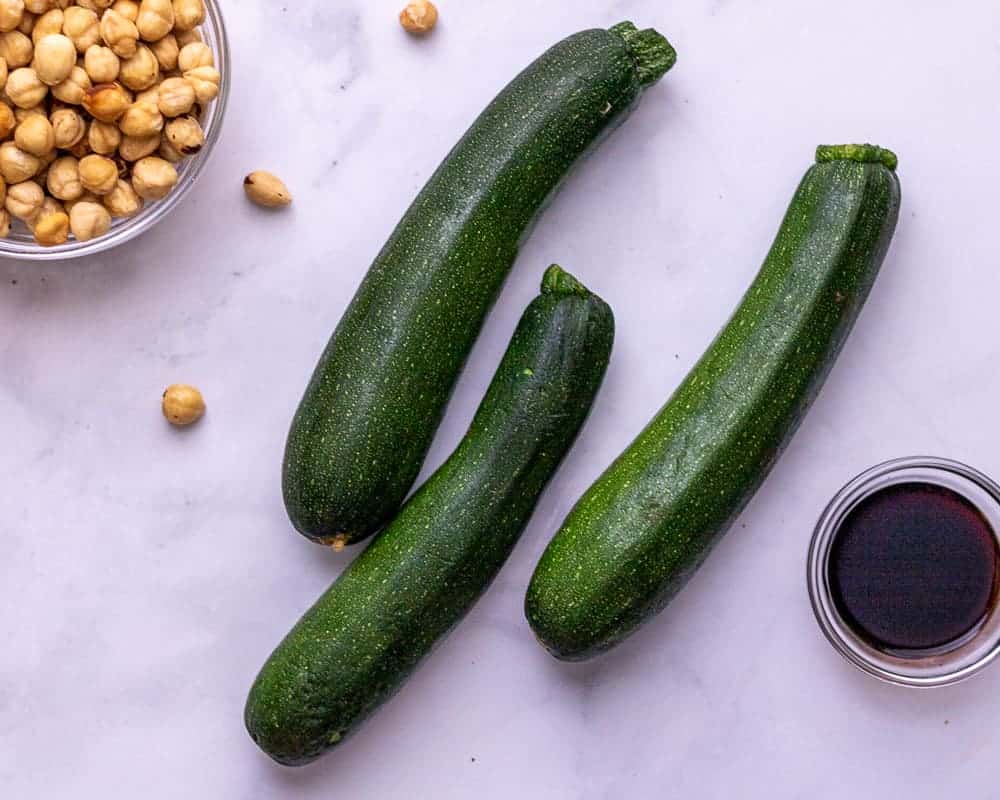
(557, 281)
(862, 153)
(652, 53)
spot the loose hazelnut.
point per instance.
(104, 137)
(107, 102)
(166, 51)
(135, 148)
(98, 174)
(7, 121)
(205, 81)
(185, 135)
(419, 17)
(82, 27)
(141, 119)
(52, 229)
(24, 200)
(176, 97)
(63, 180)
(68, 127)
(188, 14)
(50, 22)
(123, 200)
(16, 166)
(16, 49)
(156, 19)
(101, 64)
(119, 33)
(194, 55)
(153, 178)
(55, 57)
(74, 88)
(141, 70)
(183, 405)
(35, 135)
(127, 8)
(11, 12)
(25, 89)
(266, 189)
(89, 220)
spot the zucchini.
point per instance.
(363, 638)
(648, 523)
(375, 400)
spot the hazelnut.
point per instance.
(104, 137)
(153, 178)
(134, 148)
(63, 180)
(17, 166)
(55, 57)
(127, 8)
(185, 135)
(188, 14)
(176, 97)
(107, 102)
(266, 189)
(68, 127)
(168, 152)
(86, 197)
(52, 228)
(419, 17)
(74, 88)
(36, 136)
(89, 220)
(156, 19)
(101, 64)
(183, 405)
(186, 37)
(82, 27)
(11, 12)
(141, 70)
(194, 55)
(16, 49)
(98, 174)
(141, 119)
(166, 51)
(24, 200)
(37, 7)
(123, 200)
(50, 22)
(205, 82)
(25, 89)
(4, 223)
(119, 33)
(7, 121)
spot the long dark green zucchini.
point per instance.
(354, 649)
(378, 394)
(646, 525)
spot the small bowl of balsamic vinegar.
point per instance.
(904, 571)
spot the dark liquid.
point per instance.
(913, 568)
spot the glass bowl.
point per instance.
(20, 244)
(965, 657)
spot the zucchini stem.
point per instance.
(557, 281)
(652, 53)
(862, 153)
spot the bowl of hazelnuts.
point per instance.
(109, 111)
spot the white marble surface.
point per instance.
(147, 573)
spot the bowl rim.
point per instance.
(155, 212)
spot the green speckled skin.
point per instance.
(354, 649)
(648, 523)
(375, 400)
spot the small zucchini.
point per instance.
(376, 398)
(646, 525)
(363, 638)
